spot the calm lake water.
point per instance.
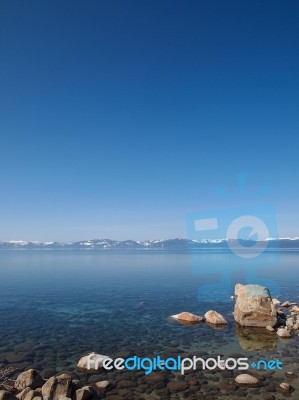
(56, 306)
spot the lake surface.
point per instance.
(56, 306)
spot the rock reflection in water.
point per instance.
(255, 339)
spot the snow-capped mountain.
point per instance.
(164, 244)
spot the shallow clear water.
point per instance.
(56, 306)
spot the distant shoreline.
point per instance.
(167, 244)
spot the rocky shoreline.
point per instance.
(253, 309)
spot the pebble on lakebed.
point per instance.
(246, 379)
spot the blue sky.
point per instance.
(119, 117)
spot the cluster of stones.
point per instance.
(211, 317)
(29, 385)
(195, 385)
(254, 307)
(287, 318)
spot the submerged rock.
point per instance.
(177, 386)
(270, 328)
(254, 306)
(246, 379)
(188, 317)
(102, 384)
(284, 387)
(283, 332)
(213, 317)
(91, 362)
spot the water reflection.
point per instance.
(255, 339)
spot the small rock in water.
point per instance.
(288, 304)
(246, 379)
(285, 387)
(177, 386)
(268, 396)
(295, 309)
(290, 322)
(283, 332)
(270, 328)
(102, 384)
(188, 317)
(213, 317)
(276, 302)
(290, 373)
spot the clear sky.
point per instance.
(119, 117)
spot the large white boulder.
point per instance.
(254, 306)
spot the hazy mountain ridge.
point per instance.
(167, 244)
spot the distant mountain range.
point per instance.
(167, 244)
